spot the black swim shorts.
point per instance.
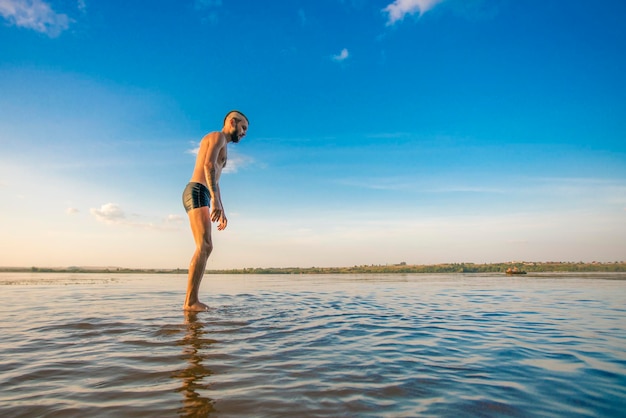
(196, 195)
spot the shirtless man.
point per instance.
(203, 202)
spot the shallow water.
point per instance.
(319, 346)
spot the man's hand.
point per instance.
(218, 215)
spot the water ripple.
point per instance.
(399, 346)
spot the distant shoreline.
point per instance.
(530, 267)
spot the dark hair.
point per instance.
(235, 111)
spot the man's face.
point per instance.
(239, 130)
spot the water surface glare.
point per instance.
(313, 346)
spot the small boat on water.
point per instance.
(514, 270)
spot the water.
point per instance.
(313, 346)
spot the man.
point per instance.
(203, 202)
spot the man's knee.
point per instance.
(206, 247)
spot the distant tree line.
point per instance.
(437, 268)
(530, 267)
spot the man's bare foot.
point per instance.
(196, 307)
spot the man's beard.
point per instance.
(234, 137)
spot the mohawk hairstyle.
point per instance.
(235, 111)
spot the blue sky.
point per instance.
(416, 131)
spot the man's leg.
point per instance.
(200, 222)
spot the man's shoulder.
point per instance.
(216, 137)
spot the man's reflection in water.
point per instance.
(195, 348)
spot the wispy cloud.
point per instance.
(71, 211)
(394, 184)
(34, 14)
(173, 219)
(113, 214)
(302, 17)
(208, 6)
(204, 4)
(411, 185)
(596, 190)
(342, 56)
(400, 8)
(236, 161)
(195, 149)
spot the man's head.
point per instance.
(235, 125)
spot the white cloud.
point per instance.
(400, 8)
(342, 56)
(112, 214)
(109, 213)
(237, 161)
(194, 150)
(34, 14)
(71, 211)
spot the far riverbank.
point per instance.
(530, 267)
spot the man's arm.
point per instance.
(212, 170)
